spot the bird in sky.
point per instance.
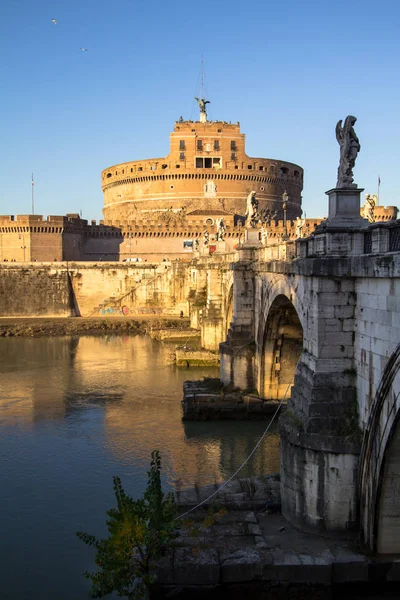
(84, 49)
(54, 21)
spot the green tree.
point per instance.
(139, 530)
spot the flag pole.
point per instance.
(33, 202)
(379, 186)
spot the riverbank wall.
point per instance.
(93, 289)
(237, 543)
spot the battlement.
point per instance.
(217, 126)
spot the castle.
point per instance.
(173, 206)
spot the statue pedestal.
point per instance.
(251, 237)
(220, 246)
(344, 208)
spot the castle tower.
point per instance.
(207, 168)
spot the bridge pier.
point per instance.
(319, 460)
(212, 322)
(237, 353)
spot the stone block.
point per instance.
(196, 566)
(394, 571)
(249, 517)
(349, 566)
(243, 564)
(343, 312)
(296, 567)
(254, 529)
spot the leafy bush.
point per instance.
(139, 530)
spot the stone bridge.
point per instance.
(317, 321)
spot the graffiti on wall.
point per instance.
(125, 311)
(114, 310)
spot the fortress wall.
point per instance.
(12, 246)
(100, 248)
(87, 289)
(46, 246)
(130, 289)
(34, 291)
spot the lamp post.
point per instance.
(284, 206)
(23, 247)
(130, 241)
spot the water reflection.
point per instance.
(73, 413)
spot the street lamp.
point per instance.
(23, 242)
(130, 240)
(284, 206)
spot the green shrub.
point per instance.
(139, 530)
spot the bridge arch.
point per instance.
(379, 485)
(279, 341)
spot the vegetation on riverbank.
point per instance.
(42, 327)
(139, 531)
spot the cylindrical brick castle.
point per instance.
(207, 168)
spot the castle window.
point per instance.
(109, 174)
(182, 156)
(199, 144)
(219, 130)
(153, 168)
(140, 168)
(262, 188)
(182, 145)
(249, 167)
(171, 187)
(123, 171)
(284, 171)
(193, 130)
(261, 168)
(131, 170)
(177, 166)
(164, 166)
(236, 167)
(296, 173)
(233, 146)
(233, 156)
(216, 144)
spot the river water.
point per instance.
(73, 413)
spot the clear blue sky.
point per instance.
(288, 71)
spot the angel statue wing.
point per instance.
(339, 132)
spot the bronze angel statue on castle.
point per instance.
(349, 148)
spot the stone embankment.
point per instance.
(240, 542)
(196, 358)
(208, 400)
(41, 327)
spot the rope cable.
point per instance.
(250, 455)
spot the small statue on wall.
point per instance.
(202, 105)
(264, 235)
(266, 216)
(206, 238)
(369, 208)
(349, 148)
(221, 230)
(299, 227)
(196, 245)
(252, 216)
